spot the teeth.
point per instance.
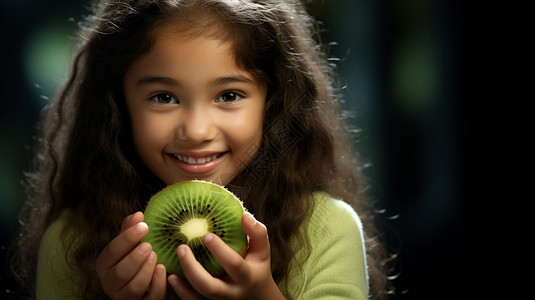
(196, 161)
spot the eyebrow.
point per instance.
(147, 80)
(232, 79)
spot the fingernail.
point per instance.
(140, 228)
(208, 237)
(144, 248)
(152, 258)
(160, 269)
(251, 220)
(173, 281)
(181, 252)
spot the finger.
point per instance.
(258, 238)
(141, 280)
(202, 281)
(132, 220)
(158, 284)
(120, 246)
(128, 268)
(232, 262)
(183, 289)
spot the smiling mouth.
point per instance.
(196, 160)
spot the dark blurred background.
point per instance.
(406, 68)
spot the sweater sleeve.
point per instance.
(55, 279)
(336, 267)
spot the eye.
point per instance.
(228, 97)
(164, 98)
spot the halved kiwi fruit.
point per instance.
(183, 213)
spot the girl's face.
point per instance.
(195, 114)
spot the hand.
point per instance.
(248, 277)
(126, 268)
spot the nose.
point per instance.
(197, 125)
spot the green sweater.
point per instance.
(335, 269)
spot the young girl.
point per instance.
(235, 92)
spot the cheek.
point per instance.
(149, 134)
(247, 135)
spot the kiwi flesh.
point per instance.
(183, 213)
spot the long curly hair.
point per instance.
(85, 162)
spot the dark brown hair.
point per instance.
(85, 163)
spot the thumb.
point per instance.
(132, 220)
(259, 248)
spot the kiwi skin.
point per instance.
(183, 213)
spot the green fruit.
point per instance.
(183, 213)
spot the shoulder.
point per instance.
(51, 245)
(334, 219)
(330, 213)
(335, 225)
(335, 267)
(54, 275)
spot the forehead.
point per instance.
(190, 24)
(188, 60)
(182, 32)
(179, 42)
